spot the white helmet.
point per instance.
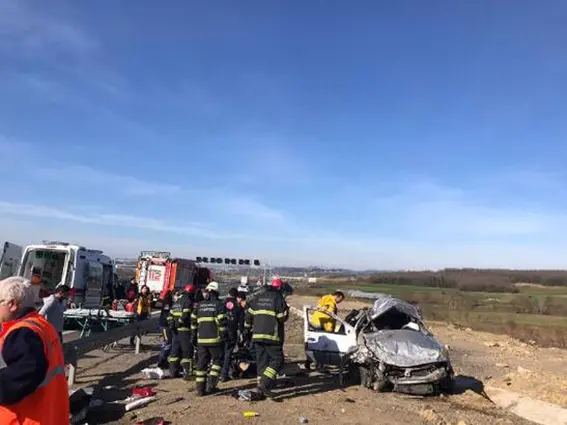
(213, 286)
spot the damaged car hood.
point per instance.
(402, 348)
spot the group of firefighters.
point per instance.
(204, 326)
(33, 386)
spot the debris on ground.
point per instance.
(247, 395)
(250, 414)
(80, 404)
(140, 402)
(155, 373)
(303, 420)
(153, 421)
(141, 392)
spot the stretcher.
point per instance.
(98, 319)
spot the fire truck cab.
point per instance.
(159, 272)
(88, 272)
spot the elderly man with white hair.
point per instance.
(33, 388)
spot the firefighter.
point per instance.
(209, 334)
(265, 320)
(180, 324)
(234, 313)
(241, 300)
(330, 303)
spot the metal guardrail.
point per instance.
(74, 350)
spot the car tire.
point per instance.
(382, 384)
(447, 385)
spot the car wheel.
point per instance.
(447, 385)
(382, 384)
(354, 374)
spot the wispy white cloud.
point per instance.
(249, 207)
(223, 202)
(83, 175)
(23, 27)
(119, 220)
(430, 210)
(61, 50)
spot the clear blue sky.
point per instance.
(399, 134)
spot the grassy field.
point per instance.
(534, 313)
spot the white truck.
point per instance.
(88, 272)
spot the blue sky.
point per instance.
(404, 134)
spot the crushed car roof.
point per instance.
(385, 304)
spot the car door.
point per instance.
(327, 348)
(10, 260)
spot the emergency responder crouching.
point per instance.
(209, 333)
(179, 321)
(265, 320)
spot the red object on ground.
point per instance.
(143, 392)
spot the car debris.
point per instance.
(384, 347)
(139, 402)
(155, 373)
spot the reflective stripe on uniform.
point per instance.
(266, 336)
(270, 373)
(59, 370)
(208, 340)
(200, 376)
(266, 312)
(215, 370)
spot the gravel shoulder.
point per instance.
(317, 397)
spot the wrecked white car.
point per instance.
(384, 347)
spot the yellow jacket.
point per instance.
(144, 304)
(320, 319)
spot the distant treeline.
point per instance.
(486, 280)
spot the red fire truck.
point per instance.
(159, 272)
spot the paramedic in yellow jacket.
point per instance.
(329, 303)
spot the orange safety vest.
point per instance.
(49, 404)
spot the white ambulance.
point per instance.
(89, 273)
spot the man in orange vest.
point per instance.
(33, 388)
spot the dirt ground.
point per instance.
(478, 357)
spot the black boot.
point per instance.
(212, 382)
(187, 369)
(173, 369)
(200, 389)
(265, 386)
